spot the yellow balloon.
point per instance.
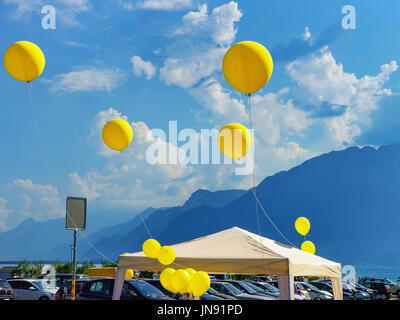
(247, 66)
(124, 254)
(166, 255)
(117, 134)
(24, 61)
(151, 247)
(302, 225)
(308, 246)
(234, 140)
(200, 283)
(165, 279)
(129, 274)
(191, 272)
(180, 280)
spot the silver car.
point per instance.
(32, 289)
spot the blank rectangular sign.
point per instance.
(76, 213)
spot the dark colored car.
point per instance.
(382, 289)
(228, 289)
(61, 278)
(246, 288)
(102, 289)
(178, 296)
(64, 292)
(326, 286)
(6, 291)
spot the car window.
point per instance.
(255, 288)
(128, 292)
(25, 285)
(300, 286)
(96, 286)
(270, 287)
(234, 289)
(309, 285)
(15, 284)
(4, 284)
(146, 289)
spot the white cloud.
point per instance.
(4, 213)
(143, 67)
(164, 4)
(66, 10)
(198, 60)
(187, 71)
(41, 202)
(321, 79)
(217, 100)
(307, 35)
(90, 79)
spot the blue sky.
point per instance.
(152, 61)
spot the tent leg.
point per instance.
(119, 282)
(286, 287)
(337, 288)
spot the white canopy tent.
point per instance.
(237, 251)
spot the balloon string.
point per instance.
(253, 189)
(144, 223)
(50, 172)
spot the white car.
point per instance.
(32, 289)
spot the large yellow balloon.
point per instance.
(200, 283)
(247, 66)
(151, 248)
(180, 280)
(24, 61)
(166, 279)
(117, 134)
(166, 255)
(234, 140)
(191, 273)
(302, 225)
(308, 246)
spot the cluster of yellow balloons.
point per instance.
(185, 281)
(117, 134)
(247, 66)
(152, 249)
(24, 61)
(303, 226)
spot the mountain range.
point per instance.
(351, 198)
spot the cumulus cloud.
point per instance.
(141, 67)
(194, 60)
(322, 80)
(41, 202)
(86, 79)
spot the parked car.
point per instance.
(229, 289)
(246, 288)
(394, 288)
(61, 278)
(263, 290)
(313, 292)
(64, 292)
(102, 289)
(32, 289)
(177, 296)
(302, 293)
(383, 290)
(216, 293)
(6, 291)
(327, 286)
(270, 288)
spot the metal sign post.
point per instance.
(75, 220)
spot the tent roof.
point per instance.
(238, 251)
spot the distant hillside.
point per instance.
(352, 198)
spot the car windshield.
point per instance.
(42, 285)
(270, 287)
(309, 285)
(245, 286)
(212, 291)
(233, 288)
(146, 289)
(255, 288)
